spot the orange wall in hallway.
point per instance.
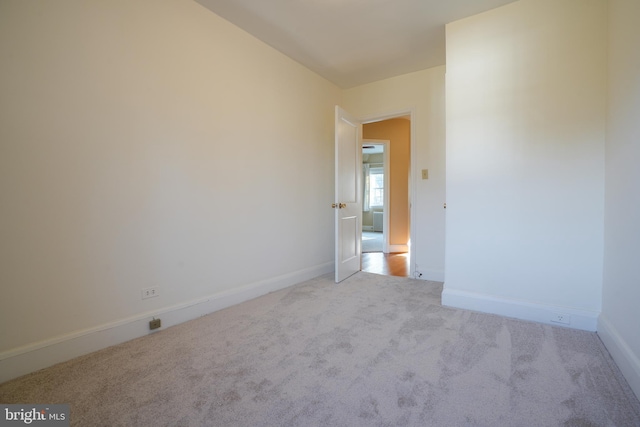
(398, 131)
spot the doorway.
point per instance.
(388, 215)
(375, 197)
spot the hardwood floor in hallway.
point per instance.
(388, 264)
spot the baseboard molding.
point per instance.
(519, 309)
(32, 357)
(433, 275)
(627, 361)
(398, 248)
(367, 228)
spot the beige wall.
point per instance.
(526, 97)
(150, 143)
(367, 217)
(620, 317)
(398, 132)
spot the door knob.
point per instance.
(342, 205)
(334, 205)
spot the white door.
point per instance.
(348, 195)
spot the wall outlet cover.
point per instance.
(564, 319)
(154, 324)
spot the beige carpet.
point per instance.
(372, 351)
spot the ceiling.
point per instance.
(353, 42)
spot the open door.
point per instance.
(348, 195)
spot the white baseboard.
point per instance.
(519, 309)
(627, 361)
(434, 275)
(367, 228)
(398, 248)
(32, 357)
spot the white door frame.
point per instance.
(412, 173)
(385, 209)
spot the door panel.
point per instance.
(349, 231)
(348, 195)
(348, 157)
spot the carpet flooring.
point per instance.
(371, 241)
(371, 351)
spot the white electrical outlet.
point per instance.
(150, 293)
(565, 319)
